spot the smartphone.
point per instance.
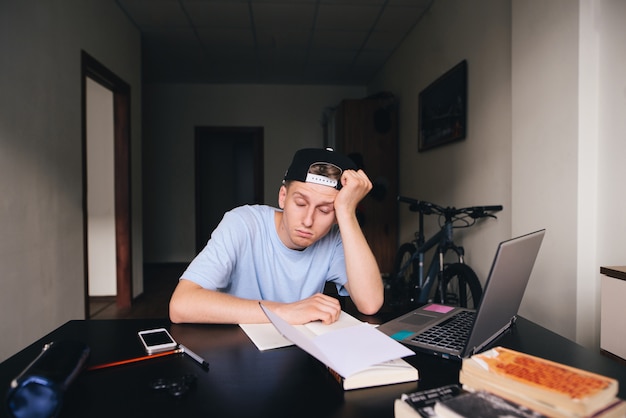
(157, 340)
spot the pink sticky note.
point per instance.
(438, 308)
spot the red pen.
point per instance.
(134, 360)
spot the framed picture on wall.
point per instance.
(443, 109)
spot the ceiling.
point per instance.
(337, 42)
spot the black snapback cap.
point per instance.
(304, 159)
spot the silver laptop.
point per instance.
(453, 332)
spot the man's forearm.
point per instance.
(364, 280)
(193, 304)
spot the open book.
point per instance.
(267, 336)
(356, 353)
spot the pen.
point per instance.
(202, 362)
(135, 359)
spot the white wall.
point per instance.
(578, 75)
(606, 24)
(290, 115)
(100, 191)
(41, 221)
(545, 153)
(611, 31)
(546, 123)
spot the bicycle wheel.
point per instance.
(462, 287)
(401, 281)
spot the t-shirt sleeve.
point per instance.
(212, 267)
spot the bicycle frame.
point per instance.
(443, 240)
(417, 285)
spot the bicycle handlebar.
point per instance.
(428, 208)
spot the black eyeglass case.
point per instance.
(38, 391)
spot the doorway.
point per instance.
(100, 196)
(92, 70)
(229, 173)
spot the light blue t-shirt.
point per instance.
(246, 258)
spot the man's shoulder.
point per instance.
(251, 210)
(251, 213)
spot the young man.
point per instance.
(285, 256)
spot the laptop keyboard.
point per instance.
(451, 333)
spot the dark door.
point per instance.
(229, 173)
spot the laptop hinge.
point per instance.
(477, 349)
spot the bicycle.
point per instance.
(457, 283)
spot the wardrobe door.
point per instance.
(367, 131)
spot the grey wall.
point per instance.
(545, 140)
(290, 115)
(546, 122)
(477, 170)
(41, 220)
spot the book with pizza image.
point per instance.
(548, 387)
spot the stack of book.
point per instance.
(548, 387)
(503, 381)
(453, 402)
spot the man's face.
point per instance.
(308, 213)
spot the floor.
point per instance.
(159, 283)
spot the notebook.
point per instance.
(453, 332)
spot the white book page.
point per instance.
(267, 337)
(345, 320)
(346, 350)
(356, 348)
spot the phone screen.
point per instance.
(157, 338)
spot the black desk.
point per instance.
(244, 382)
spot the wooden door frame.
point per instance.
(93, 69)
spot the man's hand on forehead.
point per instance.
(356, 185)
